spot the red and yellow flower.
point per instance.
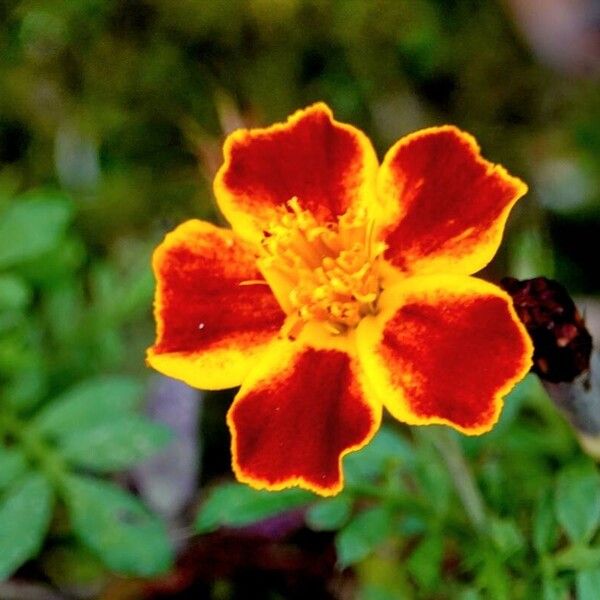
(342, 286)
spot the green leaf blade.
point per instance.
(89, 403)
(425, 562)
(387, 450)
(12, 465)
(329, 514)
(15, 293)
(587, 583)
(117, 527)
(362, 535)
(236, 505)
(577, 501)
(31, 227)
(25, 514)
(114, 445)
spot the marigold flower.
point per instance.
(342, 287)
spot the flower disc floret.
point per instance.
(326, 273)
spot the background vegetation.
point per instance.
(112, 114)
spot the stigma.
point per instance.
(325, 273)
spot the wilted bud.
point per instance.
(562, 343)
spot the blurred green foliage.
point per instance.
(107, 107)
(47, 439)
(400, 523)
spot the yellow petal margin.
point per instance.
(327, 165)
(297, 415)
(451, 205)
(214, 312)
(444, 350)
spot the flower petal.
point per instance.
(296, 416)
(327, 165)
(451, 204)
(210, 327)
(444, 349)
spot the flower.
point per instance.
(342, 287)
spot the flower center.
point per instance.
(322, 273)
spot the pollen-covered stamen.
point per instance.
(328, 274)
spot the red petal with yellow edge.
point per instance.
(451, 204)
(297, 416)
(327, 165)
(444, 349)
(210, 326)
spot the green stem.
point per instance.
(461, 475)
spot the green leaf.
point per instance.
(235, 505)
(10, 320)
(24, 518)
(117, 527)
(138, 292)
(12, 465)
(119, 297)
(30, 227)
(362, 535)
(25, 391)
(577, 558)
(554, 590)
(507, 537)
(493, 575)
(14, 293)
(388, 449)
(577, 501)
(114, 445)
(55, 266)
(425, 562)
(588, 584)
(545, 528)
(411, 525)
(94, 400)
(329, 514)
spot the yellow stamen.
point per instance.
(253, 282)
(322, 273)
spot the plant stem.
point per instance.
(461, 475)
